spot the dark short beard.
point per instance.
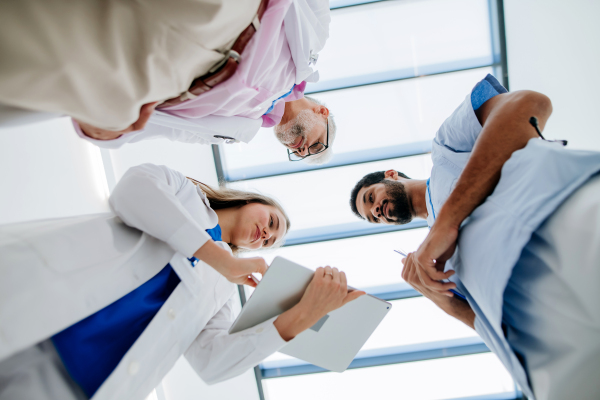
(401, 213)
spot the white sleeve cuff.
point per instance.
(188, 238)
(268, 339)
(106, 144)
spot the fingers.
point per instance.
(328, 272)
(320, 272)
(250, 282)
(145, 113)
(353, 295)
(343, 280)
(431, 284)
(335, 274)
(260, 265)
(435, 270)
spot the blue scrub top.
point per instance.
(92, 348)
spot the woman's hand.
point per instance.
(240, 269)
(327, 291)
(235, 270)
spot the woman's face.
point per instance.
(258, 226)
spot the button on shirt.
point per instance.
(534, 182)
(92, 348)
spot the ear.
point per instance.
(321, 110)
(391, 174)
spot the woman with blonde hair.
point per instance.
(102, 306)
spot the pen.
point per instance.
(452, 290)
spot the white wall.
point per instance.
(48, 172)
(554, 48)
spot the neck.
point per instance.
(292, 108)
(417, 192)
(227, 218)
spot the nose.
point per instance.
(266, 233)
(303, 150)
(376, 210)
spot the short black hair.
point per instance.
(366, 181)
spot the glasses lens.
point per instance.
(316, 148)
(295, 157)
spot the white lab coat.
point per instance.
(55, 273)
(307, 29)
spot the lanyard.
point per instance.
(430, 202)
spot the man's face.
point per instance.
(306, 129)
(385, 203)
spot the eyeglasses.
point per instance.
(312, 150)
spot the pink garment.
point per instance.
(266, 72)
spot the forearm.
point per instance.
(506, 129)
(461, 310)
(217, 355)
(294, 321)
(214, 255)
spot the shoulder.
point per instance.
(460, 130)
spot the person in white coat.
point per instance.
(102, 306)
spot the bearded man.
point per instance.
(194, 71)
(525, 266)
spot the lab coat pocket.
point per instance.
(82, 244)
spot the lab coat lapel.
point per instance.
(170, 333)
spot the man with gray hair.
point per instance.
(308, 130)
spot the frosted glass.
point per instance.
(404, 35)
(446, 378)
(410, 321)
(320, 198)
(373, 116)
(406, 111)
(368, 261)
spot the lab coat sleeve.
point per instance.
(206, 130)
(217, 355)
(164, 204)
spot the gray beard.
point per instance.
(297, 127)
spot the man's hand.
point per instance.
(327, 291)
(411, 276)
(453, 306)
(102, 134)
(430, 259)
